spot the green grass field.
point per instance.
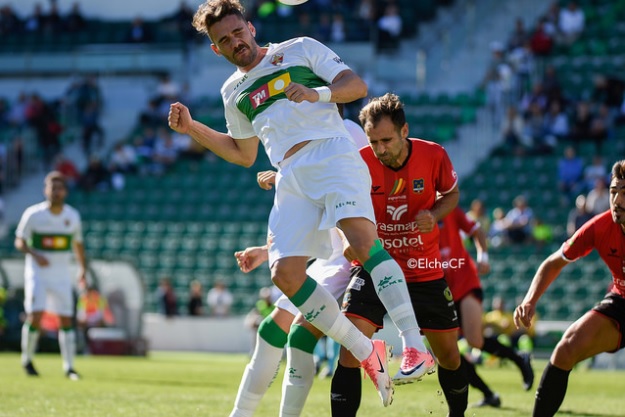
(194, 384)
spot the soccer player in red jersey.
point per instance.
(462, 276)
(602, 328)
(407, 176)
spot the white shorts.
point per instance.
(48, 294)
(324, 182)
(332, 274)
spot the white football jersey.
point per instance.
(52, 235)
(255, 103)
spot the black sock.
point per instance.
(494, 347)
(474, 379)
(551, 391)
(346, 391)
(455, 386)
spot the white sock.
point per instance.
(67, 343)
(30, 338)
(258, 376)
(298, 379)
(397, 301)
(322, 311)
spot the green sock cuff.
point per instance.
(271, 333)
(301, 338)
(304, 292)
(66, 329)
(377, 255)
(32, 328)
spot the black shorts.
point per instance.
(432, 302)
(613, 307)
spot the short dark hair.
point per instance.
(378, 107)
(55, 176)
(212, 11)
(618, 170)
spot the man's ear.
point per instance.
(215, 49)
(252, 28)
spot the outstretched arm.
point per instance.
(237, 151)
(250, 258)
(547, 272)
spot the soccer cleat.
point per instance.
(414, 365)
(30, 369)
(491, 401)
(376, 367)
(72, 375)
(527, 371)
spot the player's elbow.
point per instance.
(361, 89)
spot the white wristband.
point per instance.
(324, 94)
(482, 257)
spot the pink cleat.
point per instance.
(376, 367)
(414, 365)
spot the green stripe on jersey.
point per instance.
(268, 89)
(51, 242)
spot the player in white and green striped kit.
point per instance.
(48, 233)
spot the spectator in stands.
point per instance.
(608, 90)
(578, 216)
(556, 122)
(519, 35)
(96, 177)
(69, 170)
(219, 300)
(123, 158)
(519, 221)
(42, 117)
(598, 199)
(551, 18)
(165, 152)
(521, 60)
(497, 83)
(541, 144)
(167, 90)
(589, 127)
(537, 95)
(182, 19)
(551, 83)
(166, 298)
(138, 32)
(53, 22)
(151, 116)
(570, 174)
(17, 116)
(74, 21)
(10, 24)
(497, 230)
(477, 213)
(570, 23)
(595, 171)
(92, 133)
(513, 133)
(389, 29)
(542, 233)
(34, 22)
(540, 41)
(338, 31)
(195, 305)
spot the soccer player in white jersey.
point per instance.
(284, 95)
(47, 233)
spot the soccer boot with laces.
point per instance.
(72, 375)
(490, 401)
(376, 367)
(527, 371)
(414, 364)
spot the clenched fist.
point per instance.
(179, 118)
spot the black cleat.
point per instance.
(491, 401)
(72, 375)
(30, 369)
(527, 371)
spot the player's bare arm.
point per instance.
(22, 246)
(250, 258)
(481, 245)
(79, 252)
(547, 272)
(266, 179)
(237, 151)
